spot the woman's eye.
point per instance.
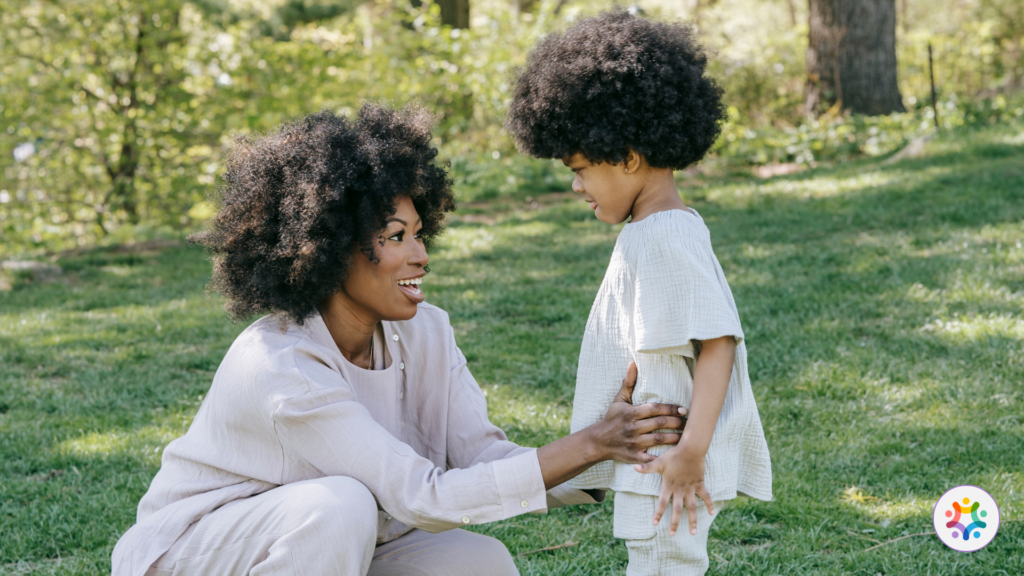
(398, 236)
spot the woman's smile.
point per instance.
(411, 288)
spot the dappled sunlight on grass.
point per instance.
(965, 329)
(144, 444)
(886, 510)
(826, 186)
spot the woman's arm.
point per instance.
(624, 435)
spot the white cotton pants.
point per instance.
(652, 552)
(322, 527)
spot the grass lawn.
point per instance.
(883, 306)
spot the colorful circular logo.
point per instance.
(966, 518)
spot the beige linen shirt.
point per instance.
(285, 406)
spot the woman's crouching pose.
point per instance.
(343, 433)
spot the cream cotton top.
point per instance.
(664, 288)
(286, 406)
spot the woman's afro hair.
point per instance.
(616, 83)
(300, 201)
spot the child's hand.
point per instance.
(682, 473)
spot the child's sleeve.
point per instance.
(681, 295)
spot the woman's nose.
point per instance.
(419, 255)
(577, 184)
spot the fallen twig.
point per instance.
(566, 544)
(900, 538)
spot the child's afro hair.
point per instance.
(300, 201)
(616, 83)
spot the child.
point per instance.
(623, 101)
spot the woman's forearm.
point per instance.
(710, 384)
(569, 456)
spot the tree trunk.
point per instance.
(851, 57)
(454, 13)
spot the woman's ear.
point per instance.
(633, 161)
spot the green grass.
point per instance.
(884, 311)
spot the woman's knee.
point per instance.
(480, 552)
(496, 556)
(342, 502)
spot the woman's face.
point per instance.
(390, 288)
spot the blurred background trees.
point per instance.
(115, 114)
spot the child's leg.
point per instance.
(652, 552)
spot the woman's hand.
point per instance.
(624, 435)
(627, 431)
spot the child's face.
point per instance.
(608, 188)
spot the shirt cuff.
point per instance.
(520, 484)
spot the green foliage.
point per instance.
(194, 72)
(883, 306)
(139, 102)
(111, 107)
(845, 137)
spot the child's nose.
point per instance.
(577, 184)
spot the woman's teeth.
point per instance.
(413, 282)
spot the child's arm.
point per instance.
(682, 466)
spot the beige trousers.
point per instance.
(322, 527)
(652, 552)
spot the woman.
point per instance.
(343, 433)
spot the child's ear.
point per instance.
(633, 161)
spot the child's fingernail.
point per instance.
(693, 531)
(671, 532)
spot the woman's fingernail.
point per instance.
(682, 410)
(693, 531)
(671, 532)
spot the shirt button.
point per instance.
(465, 519)
(387, 516)
(401, 395)
(395, 337)
(401, 366)
(524, 503)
